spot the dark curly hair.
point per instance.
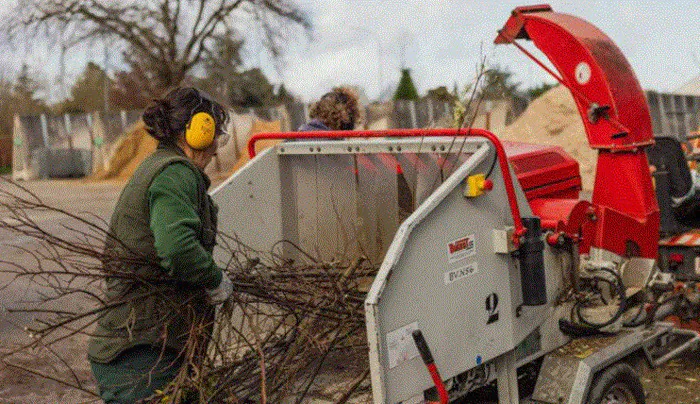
(339, 109)
(166, 118)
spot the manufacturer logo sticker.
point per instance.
(461, 248)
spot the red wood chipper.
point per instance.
(499, 268)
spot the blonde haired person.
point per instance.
(338, 109)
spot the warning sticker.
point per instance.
(458, 274)
(461, 248)
(401, 345)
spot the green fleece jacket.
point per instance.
(164, 228)
(172, 198)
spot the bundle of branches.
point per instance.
(291, 330)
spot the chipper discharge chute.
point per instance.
(488, 258)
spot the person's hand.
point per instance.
(221, 293)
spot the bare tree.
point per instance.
(164, 39)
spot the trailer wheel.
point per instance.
(618, 384)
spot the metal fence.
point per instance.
(69, 145)
(421, 114)
(674, 115)
(75, 145)
(399, 114)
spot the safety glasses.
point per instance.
(222, 139)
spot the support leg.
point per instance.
(507, 377)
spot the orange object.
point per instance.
(687, 325)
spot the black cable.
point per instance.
(493, 164)
(636, 321)
(620, 310)
(676, 299)
(578, 330)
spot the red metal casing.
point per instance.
(544, 171)
(616, 119)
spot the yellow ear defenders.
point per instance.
(201, 129)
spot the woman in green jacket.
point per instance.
(162, 281)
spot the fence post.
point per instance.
(431, 120)
(19, 153)
(686, 117)
(233, 133)
(665, 125)
(122, 113)
(98, 130)
(412, 108)
(44, 130)
(67, 123)
(69, 130)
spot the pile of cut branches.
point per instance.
(291, 331)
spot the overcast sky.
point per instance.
(361, 42)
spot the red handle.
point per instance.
(427, 357)
(469, 132)
(437, 380)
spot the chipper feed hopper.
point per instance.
(485, 248)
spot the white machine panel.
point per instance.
(339, 200)
(437, 270)
(250, 204)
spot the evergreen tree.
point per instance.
(498, 84)
(251, 89)
(406, 89)
(284, 97)
(222, 65)
(24, 97)
(538, 90)
(128, 91)
(87, 94)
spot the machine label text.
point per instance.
(455, 275)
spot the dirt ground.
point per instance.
(677, 382)
(20, 386)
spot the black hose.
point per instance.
(620, 310)
(637, 320)
(578, 330)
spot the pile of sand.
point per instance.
(131, 149)
(258, 126)
(553, 119)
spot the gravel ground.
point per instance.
(677, 382)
